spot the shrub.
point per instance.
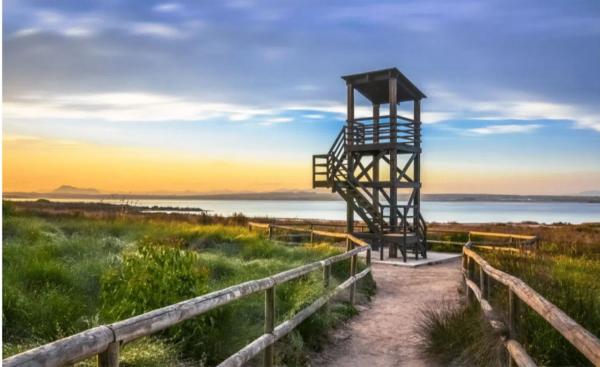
(151, 277)
(460, 336)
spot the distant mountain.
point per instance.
(72, 190)
(590, 193)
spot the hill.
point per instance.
(72, 190)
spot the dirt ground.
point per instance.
(384, 333)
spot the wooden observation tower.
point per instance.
(374, 163)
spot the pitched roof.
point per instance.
(374, 85)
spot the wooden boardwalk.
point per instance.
(385, 333)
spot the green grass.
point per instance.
(565, 270)
(64, 274)
(571, 283)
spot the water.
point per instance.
(433, 211)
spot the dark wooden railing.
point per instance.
(106, 341)
(519, 292)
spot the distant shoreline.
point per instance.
(304, 196)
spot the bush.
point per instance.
(8, 208)
(460, 336)
(151, 277)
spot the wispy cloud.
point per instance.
(126, 106)
(506, 105)
(170, 7)
(156, 29)
(504, 129)
(275, 120)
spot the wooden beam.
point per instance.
(393, 100)
(350, 163)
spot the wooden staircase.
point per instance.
(331, 170)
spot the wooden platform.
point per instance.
(433, 258)
(388, 238)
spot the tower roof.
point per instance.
(374, 86)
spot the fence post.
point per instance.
(110, 357)
(249, 227)
(513, 313)
(269, 325)
(348, 244)
(353, 264)
(470, 273)
(368, 260)
(326, 275)
(312, 236)
(270, 232)
(483, 280)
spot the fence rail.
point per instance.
(105, 341)
(516, 242)
(520, 292)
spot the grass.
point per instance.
(66, 273)
(564, 270)
(460, 336)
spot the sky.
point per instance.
(236, 95)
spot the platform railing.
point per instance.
(366, 131)
(521, 293)
(106, 341)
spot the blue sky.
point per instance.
(513, 86)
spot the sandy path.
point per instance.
(384, 333)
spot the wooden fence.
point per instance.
(512, 242)
(519, 292)
(105, 341)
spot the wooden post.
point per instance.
(376, 157)
(483, 279)
(110, 357)
(270, 232)
(353, 265)
(268, 354)
(312, 237)
(470, 273)
(349, 158)
(326, 275)
(393, 100)
(513, 313)
(368, 261)
(348, 244)
(417, 168)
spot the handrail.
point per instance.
(503, 235)
(587, 343)
(105, 341)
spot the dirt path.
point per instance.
(384, 334)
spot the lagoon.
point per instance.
(433, 211)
